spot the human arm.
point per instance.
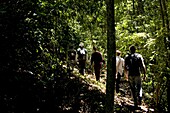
(125, 69)
(126, 73)
(103, 61)
(76, 58)
(144, 69)
(86, 57)
(92, 60)
(77, 53)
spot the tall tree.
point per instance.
(111, 57)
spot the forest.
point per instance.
(36, 36)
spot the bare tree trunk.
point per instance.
(162, 13)
(140, 7)
(111, 57)
(132, 18)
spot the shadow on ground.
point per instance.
(22, 92)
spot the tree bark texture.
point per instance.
(111, 59)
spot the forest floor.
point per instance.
(65, 92)
(123, 100)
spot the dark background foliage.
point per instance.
(35, 36)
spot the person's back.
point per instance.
(133, 65)
(119, 69)
(97, 57)
(81, 54)
(72, 54)
(82, 58)
(119, 63)
(72, 58)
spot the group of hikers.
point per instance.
(131, 67)
(80, 57)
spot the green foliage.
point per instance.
(35, 36)
(146, 31)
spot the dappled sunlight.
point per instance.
(123, 100)
(40, 46)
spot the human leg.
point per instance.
(97, 69)
(133, 89)
(139, 89)
(71, 65)
(81, 67)
(118, 82)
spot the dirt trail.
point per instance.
(123, 99)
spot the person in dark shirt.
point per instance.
(97, 59)
(134, 66)
(72, 57)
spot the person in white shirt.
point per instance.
(82, 58)
(119, 69)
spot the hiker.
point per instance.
(72, 57)
(97, 59)
(82, 58)
(134, 65)
(119, 69)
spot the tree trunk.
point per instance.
(111, 59)
(140, 7)
(132, 17)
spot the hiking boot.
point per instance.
(139, 101)
(117, 91)
(135, 105)
(137, 108)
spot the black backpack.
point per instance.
(82, 54)
(72, 54)
(133, 63)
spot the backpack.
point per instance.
(72, 54)
(82, 54)
(133, 63)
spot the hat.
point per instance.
(81, 44)
(117, 51)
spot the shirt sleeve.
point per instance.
(102, 60)
(125, 61)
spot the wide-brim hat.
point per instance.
(117, 51)
(81, 44)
